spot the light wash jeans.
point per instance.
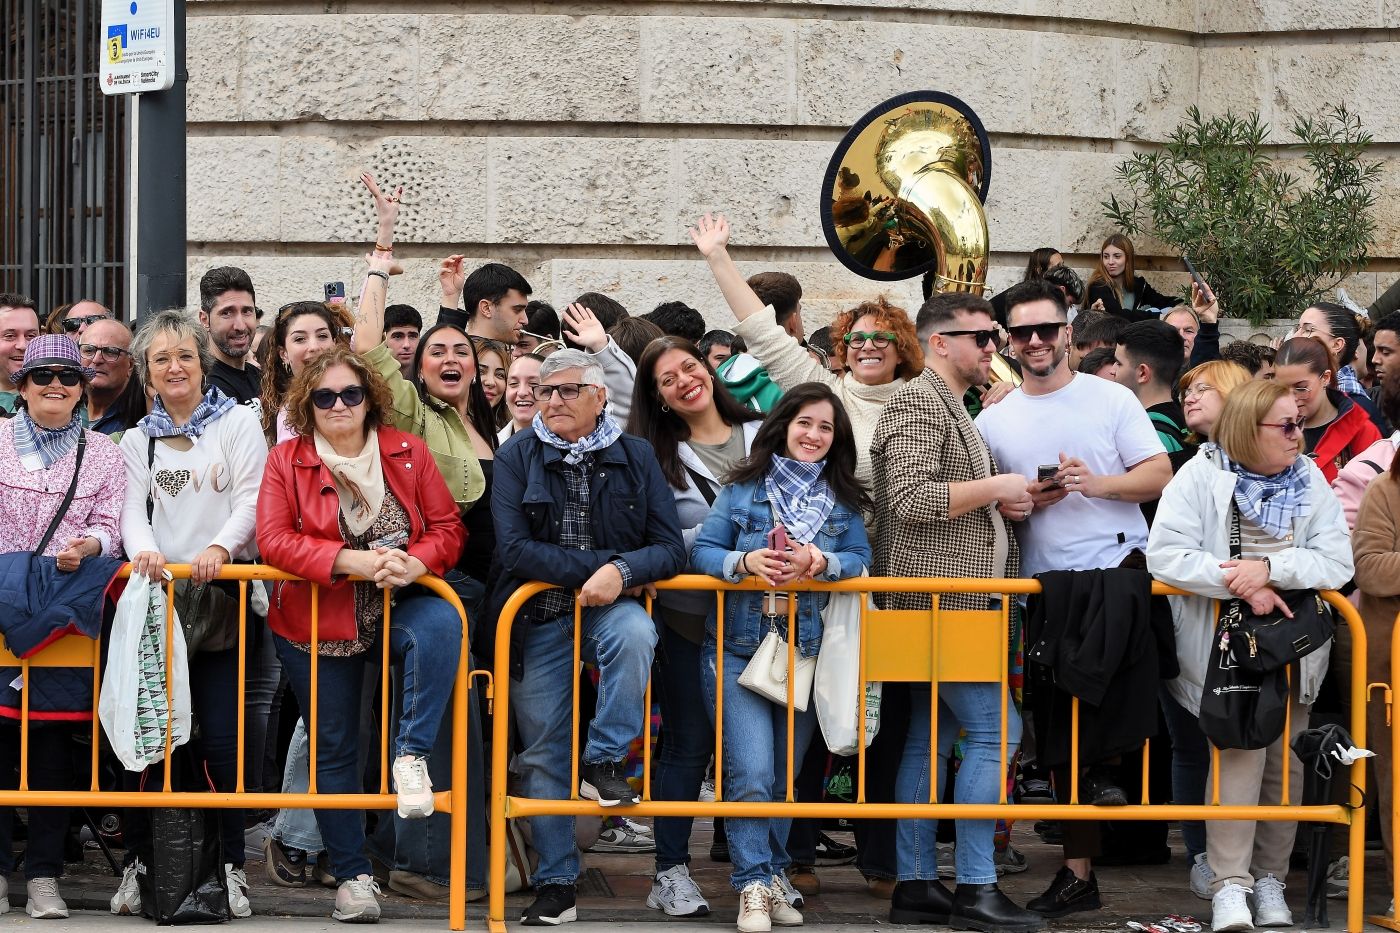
(755, 765)
(975, 708)
(621, 640)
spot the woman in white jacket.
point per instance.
(1293, 536)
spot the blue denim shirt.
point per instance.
(739, 522)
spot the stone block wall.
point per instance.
(576, 141)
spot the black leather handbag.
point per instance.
(1269, 643)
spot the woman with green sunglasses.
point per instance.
(874, 341)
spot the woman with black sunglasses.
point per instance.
(391, 521)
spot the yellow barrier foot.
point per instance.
(1390, 923)
(496, 926)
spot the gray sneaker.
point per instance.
(4, 894)
(356, 901)
(44, 900)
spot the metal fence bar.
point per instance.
(504, 806)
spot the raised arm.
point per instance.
(711, 237)
(369, 313)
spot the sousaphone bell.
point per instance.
(903, 195)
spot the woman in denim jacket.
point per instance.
(800, 473)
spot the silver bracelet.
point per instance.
(379, 272)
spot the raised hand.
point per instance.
(452, 278)
(710, 234)
(386, 204)
(582, 326)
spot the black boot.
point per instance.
(1067, 895)
(984, 907)
(920, 902)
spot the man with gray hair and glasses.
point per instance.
(581, 505)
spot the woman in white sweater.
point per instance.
(193, 468)
(875, 342)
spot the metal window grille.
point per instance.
(63, 168)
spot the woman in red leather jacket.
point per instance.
(352, 496)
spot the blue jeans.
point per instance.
(975, 708)
(427, 685)
(687, 742)
(755, 765)
(1190, 768)
(424, 846)
(621, 640)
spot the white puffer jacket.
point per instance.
(1190, 538)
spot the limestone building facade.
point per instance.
(574, 140)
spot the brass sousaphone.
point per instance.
(903, 195)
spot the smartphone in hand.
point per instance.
(1046, 474)
(778, 540)
(335, 293)
(1196, 277)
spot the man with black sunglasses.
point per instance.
(1096, 457)
(942, 508)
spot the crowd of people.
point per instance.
(1089, 435)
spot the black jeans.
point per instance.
(214, 697)
(50, 768)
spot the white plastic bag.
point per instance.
(836, 688)
(141, 614)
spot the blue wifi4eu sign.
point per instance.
(138, 46)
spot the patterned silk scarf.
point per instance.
(50, 445)
(800, 496)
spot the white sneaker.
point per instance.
(623, 835)
(782, 908)
(237, 891)
(413, 786)
(127, 901)
(707, 791)
(947, 860)
(1202, 877)
(753, 908)
(1229, 909)
(676, 893)
(1270, 909)
(44, 900)
(356, 901)
(1339, 878)
(791, 895)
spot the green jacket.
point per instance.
(438, 424)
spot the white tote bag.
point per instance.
(133, 704)
(836, 687)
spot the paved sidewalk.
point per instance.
(615, 887)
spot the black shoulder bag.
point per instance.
(1274, 641)
(1240, 708)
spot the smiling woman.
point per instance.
(881, 354)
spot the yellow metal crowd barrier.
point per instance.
(79, 651)
(915, 646)
(1389, 689)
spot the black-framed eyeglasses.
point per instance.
(65, 377)
(878, 339)
(72, 325)
(1022, 333)
(110, 354)
(325, 399)
(1290, 429)
(568, 391)
(983, 337)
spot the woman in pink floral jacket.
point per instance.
(39, 451)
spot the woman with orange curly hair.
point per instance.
(875, 341)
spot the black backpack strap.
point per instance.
(702, 484)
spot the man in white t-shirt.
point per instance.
(1106, 459)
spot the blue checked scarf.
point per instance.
(1347, 382)
(800, 496)
(604, 435)
(1271, 502)
(49, 444)
(213, 406)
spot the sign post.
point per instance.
(143, 54)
